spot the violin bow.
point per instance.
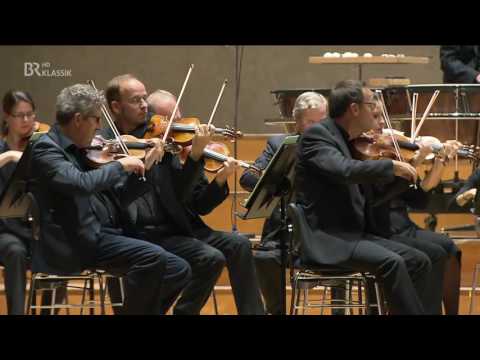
(111, 123)
(218, 101)
(427, 111)
(170, 121)
(414, 117)
(389, 124)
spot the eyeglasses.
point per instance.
(371, 104)
(29, 115)
(96, 118)
(137, 100)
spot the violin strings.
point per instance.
(170, 121)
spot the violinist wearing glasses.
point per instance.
(15, 234)
(81, 209)
(390, 216)
(331, 191)
(161, 215)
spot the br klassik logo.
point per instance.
(45, 69)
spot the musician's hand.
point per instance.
(203, 135)
(228, 169)
(467, 196)
(421, 155)
(405, 170)
(132, 165)
(450, 148)
(14, 155)
(154, 155)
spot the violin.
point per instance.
(215, 155)
(102, 151)
(182, 130)
(375, 146)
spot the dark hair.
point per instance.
(112, 92)
(12, 98)
(345, 93)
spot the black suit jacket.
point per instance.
(171, 184)
(69, 227)
(460, 64)
(327, 182)
(249, 179)
(205, 198)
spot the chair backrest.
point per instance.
(300, 226)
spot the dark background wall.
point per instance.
(264, 68)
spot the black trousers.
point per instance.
(13, 256)
(433, 293)
(207, 254)
(402, 270)
(153, 277)
(452, 268)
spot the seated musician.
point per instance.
(235, 249)
(394, 223)
(80, 209)
(309, 108)
(331, 192)
(460, 64)
(15, 234)
(161, 214)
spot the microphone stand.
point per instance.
(238, 71)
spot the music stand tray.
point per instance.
(278, 175)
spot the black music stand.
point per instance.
(14, 201)
(275, 185)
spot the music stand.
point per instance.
(275, 185)
(14, 202)
(474, 227)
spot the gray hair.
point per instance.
(308, 100)
(159, 92)
(78, 98)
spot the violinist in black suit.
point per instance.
(329, 188)
(81, 222)
(206, 197)
(309, 108)
(168, 214)
(460, 64)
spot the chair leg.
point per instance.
(324, 297)
(305, 300)
(53, 301)
(215, 305)
(348, 299)
(361, 311)
(92, 295)
(474, 288)
(31, 295)
(294, 294)
(102, 293)
(379, 298)
(297, 298)
(84, 292)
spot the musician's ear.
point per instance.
(115, 107)
(355, 108)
